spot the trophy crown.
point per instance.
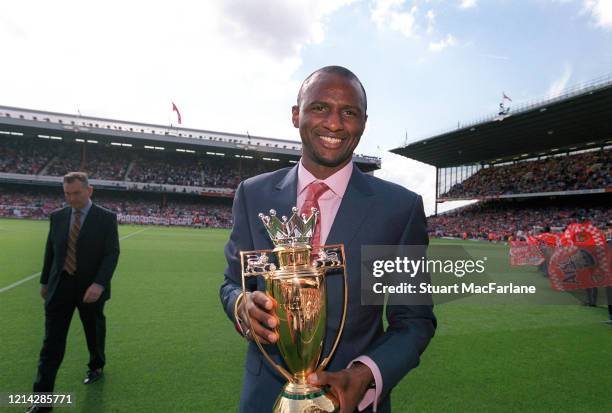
(295, 230)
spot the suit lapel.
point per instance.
(282, 198)
(286, 193)
(64, 225)
(353, 209)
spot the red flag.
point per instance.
(178, 114)
(582, 259)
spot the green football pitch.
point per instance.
(170, 347)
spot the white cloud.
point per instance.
(560, 84)
(217, 60)
(442, 44)
(431, 21)
(400, 16)
(601, 12)
(467, 4)
(280, 27)
(390, 14)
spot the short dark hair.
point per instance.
(335, 70)
(70, 177)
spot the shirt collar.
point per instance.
(336, 182)
(85, 209)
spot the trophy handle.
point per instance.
(326, 360)
(277, 366)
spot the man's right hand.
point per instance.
(43, 291)
(261, 316)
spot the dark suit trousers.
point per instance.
(58, 315)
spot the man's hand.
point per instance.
(43, 290)
(93, 293)
(348, 385)
(260, 313)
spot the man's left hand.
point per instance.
(348, 385)
(93, 293)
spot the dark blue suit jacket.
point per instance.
(372, 212)
(97, 250)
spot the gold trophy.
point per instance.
(294, 276)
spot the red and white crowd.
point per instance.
(589, 170)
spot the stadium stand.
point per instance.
(30, 155)
(545, 164)
(592, 170)
(21, 157)
(189, 170)
(148, 174)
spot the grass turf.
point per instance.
(170, 347)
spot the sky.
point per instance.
(236, 66)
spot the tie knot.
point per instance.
(315, 190)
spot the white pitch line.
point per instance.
(16, 283)
(29, 277)
(140, 231)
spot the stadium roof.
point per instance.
(36, 122)
(580, 118)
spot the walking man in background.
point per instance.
(80, 257)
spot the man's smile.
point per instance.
(330, 142)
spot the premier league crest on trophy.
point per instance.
(294, 276)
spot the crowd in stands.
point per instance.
(190, 170)
(27, 204)
(167, 171)
(587, 170)
(98, 162)
(56, 158)
(39, 203)
(503, 219)
(23, 158)
(184, 212)
(107, 163)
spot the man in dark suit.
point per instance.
(80, 257)
(356, 209)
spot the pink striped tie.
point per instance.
(314, 192)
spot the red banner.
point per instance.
(525, 253)
(548, 242)
(581, 259)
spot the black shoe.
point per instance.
(92, 376)
(38, 409)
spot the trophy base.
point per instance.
(304, 398)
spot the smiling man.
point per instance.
(80, 257)
(355, 210)
(331, 116)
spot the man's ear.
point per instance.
(295, 115)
